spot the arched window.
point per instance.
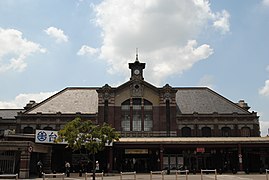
(186, 132)
(206, 132)
(28, 130)
(245, 132)
(136, 116)
(226, 132)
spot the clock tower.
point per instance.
(137, 69)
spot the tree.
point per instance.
(81, 134)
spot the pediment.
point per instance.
(136, 89)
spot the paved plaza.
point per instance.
(169, 177)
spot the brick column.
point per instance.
(24, 164)
(161, 157)
(47, 162)
(240, 158)
(110, 160)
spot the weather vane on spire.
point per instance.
(136, 59)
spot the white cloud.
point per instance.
(163, 31)
(264, 127)
(58, 34)
(14, 50)
(87, 50)
(222, 22)
(265, 2)
(207, 81)
(267, 68)
(22, 99)
(175, 60)
(265, 90)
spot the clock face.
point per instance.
(136, 71)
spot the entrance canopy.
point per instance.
(194, 140)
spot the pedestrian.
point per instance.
(39, 168)
(97, 168)
(67, 168)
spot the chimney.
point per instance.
(243, 104)
(30, 104)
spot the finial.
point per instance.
(136, 59)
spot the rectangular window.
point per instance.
(147, 107)
(136, 122)
(136, 125)
(147, 125)
(125, 123)
(125, 107)
(147, 122)
(136, 107)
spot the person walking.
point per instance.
(97, 167)
(67, 168)
(39, 168)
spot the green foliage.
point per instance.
(84, 134)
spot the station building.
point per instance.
(161, 128)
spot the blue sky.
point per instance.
(46, 46)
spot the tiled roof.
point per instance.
(189, 100)
(9, 113)
(69, 100)
(204, 101)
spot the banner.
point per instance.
(46, 136)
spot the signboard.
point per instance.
(201, 150)
(136, 151)
(46, 136)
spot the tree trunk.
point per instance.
(94, 167)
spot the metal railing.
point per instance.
(10, 176)
(156, 173)
(179, 172)
(53, 175)
(101, 175)
(207, 171)
(128, 174)
(7, 161)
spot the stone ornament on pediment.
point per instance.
(167, 96)
(106, 96)
(106, 92)
(167, 89)
(136, 90)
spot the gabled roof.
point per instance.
(69, 101)
(189, 100)
(203, 100)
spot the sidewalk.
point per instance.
(75, 176)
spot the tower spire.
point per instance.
(137, 68)
(136, 57)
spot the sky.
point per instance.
(46, 46)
